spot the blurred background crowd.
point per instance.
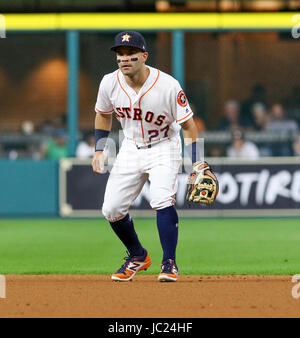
(244, 87)
(252, 128)
(249, 129)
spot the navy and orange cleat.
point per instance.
(169, 272)
(131, 266)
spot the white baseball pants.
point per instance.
(160, 164)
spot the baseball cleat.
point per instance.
(169, 272)
(131, 266)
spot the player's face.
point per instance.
(130, 60)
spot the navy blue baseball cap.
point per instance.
(131, 39)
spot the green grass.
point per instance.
(205, 246)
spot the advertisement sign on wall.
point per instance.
(246, 188)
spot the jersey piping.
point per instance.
(141, 100)
(124, 90)
(103, 112)
(185, 117)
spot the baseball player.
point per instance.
(151, 108)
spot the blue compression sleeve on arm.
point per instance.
(193, 151)
(100, 139)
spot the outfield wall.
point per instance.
(266, 187)
(28, 188)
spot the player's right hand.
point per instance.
(98, 162)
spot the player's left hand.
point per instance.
(203, 186)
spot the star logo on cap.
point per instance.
(125, 37)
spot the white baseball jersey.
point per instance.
(149, 116)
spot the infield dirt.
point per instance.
(190, 296)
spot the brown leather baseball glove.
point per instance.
(202, 185)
